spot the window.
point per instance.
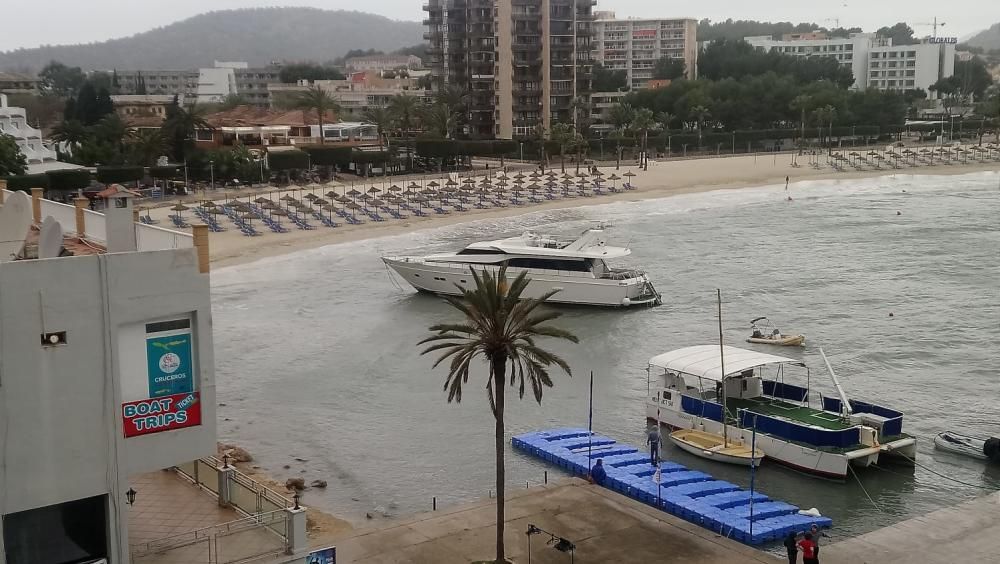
(550, 264)
(911, 53)
(203, 135)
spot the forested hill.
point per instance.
(257, 36)
(987, 40)
(738, 29)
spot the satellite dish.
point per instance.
(15, 219)
(50, 239)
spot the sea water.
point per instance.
(317, 354)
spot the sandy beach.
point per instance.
(663, 179)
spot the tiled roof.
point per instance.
(246, 116)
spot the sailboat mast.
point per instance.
(722, 362)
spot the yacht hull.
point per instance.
(574, 288)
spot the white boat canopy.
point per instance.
(703, 361)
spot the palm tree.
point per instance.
(621, 116)
(147, 146)
(564, 136)
(439, 119)
(180, 125)
(802, 103)
(642, 122)
(700, 114)
(113, 130)
(500, 328)
(71, 132)
(318, 99)
(404, 108)
(823, 115)
(382, 118)
(663, 119)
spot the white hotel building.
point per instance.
(875, 61)
(14, 122)
(634, 45)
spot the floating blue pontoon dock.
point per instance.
(694, 496)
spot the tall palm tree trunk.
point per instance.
(320, 119)
(499, 376)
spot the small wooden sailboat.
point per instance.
(765, 333)
(712, 445)
(715, 447)
(966, 445)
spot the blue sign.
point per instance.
(168, 362)
(324, 556)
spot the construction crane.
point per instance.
(933, 25)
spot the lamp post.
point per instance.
(520, 147)
(211, 170)
(559, 543)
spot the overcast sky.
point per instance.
(71, 21)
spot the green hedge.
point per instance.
(329, 156)
(288, 160)
(68, 180)
(364, 157)
(164, 172)
(117, 174)
(26, 182)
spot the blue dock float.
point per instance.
(694, 496)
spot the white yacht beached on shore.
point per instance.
(578, 269)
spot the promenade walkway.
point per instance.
(604, 526)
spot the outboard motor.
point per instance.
(991, 448)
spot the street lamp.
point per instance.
(520, 146)
(211, 170)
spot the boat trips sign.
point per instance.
(161, 414)
(171, 401)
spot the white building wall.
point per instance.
(61, 423)
(214, 84)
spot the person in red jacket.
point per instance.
(808, 548)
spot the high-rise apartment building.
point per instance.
(523, 63)
(635, 45)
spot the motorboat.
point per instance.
(715, 447)
(688, 388)
(763, 332)
(982, 448)
(577, 269)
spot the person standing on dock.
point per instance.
(598, 473)
(653, 440)
(816, 534)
